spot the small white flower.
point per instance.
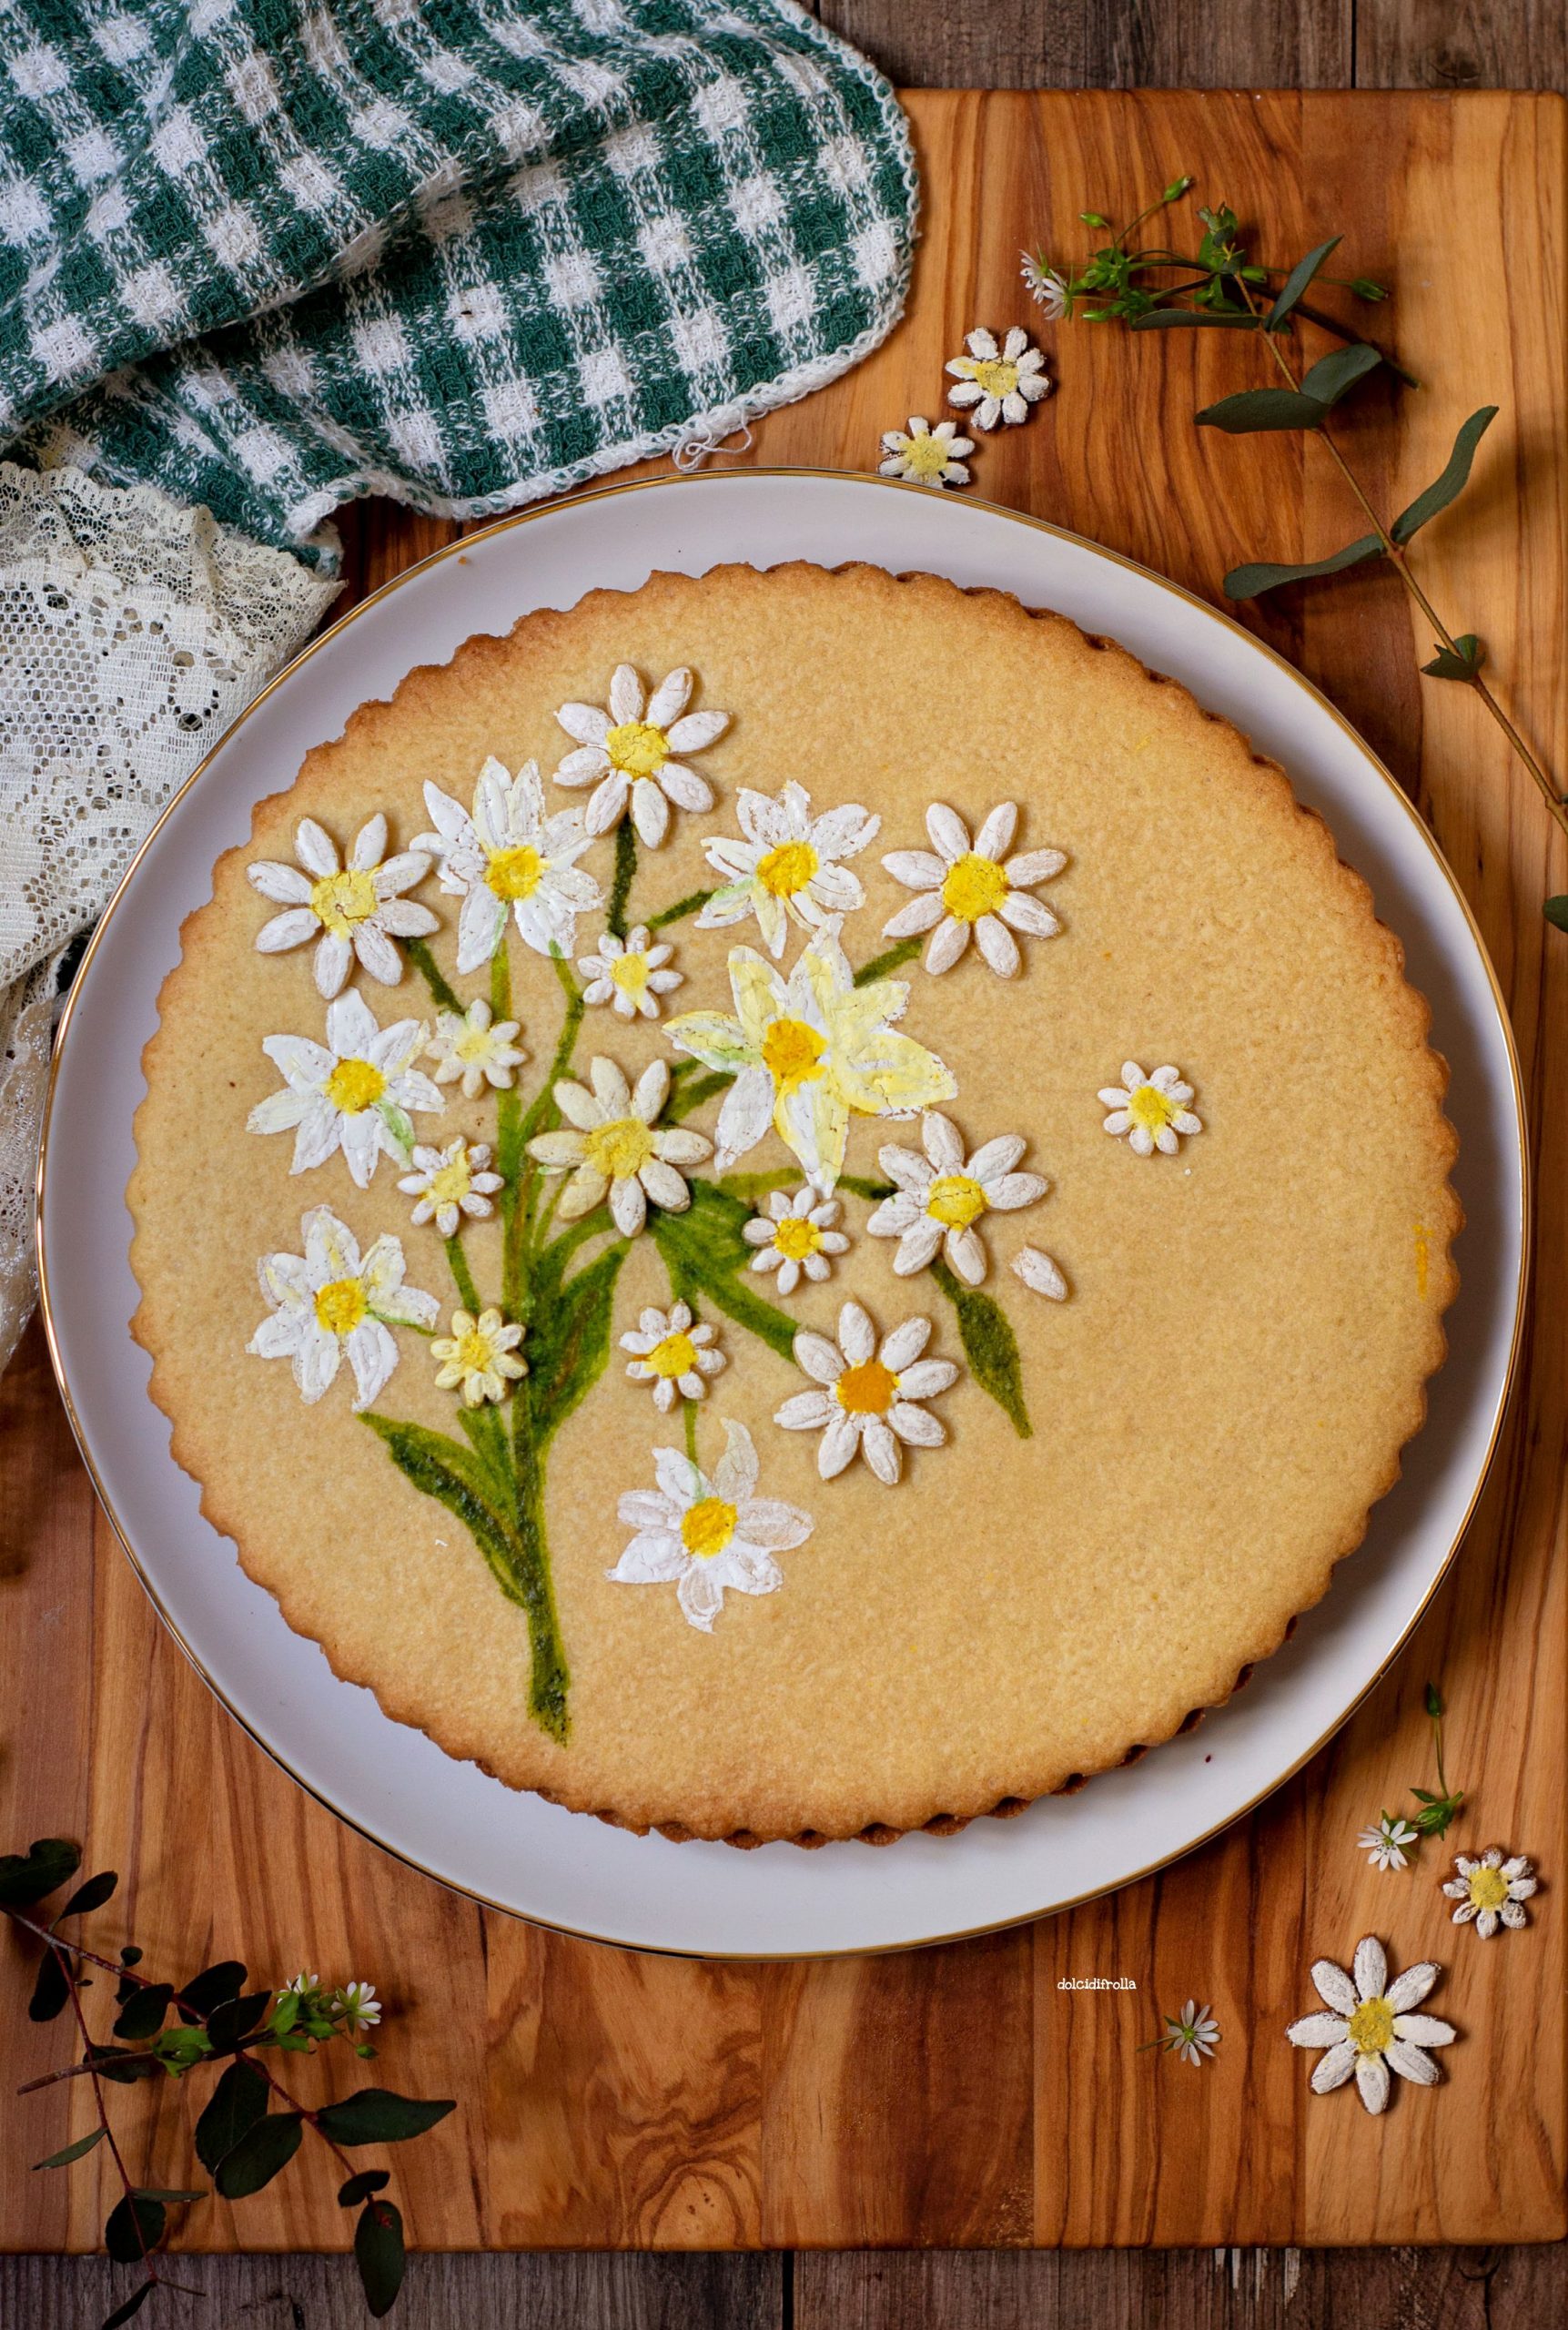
(869, 1398)
(672, 1354)
(1192, 2034)
(999, 383)
(1492, 1890)
(329, 1302)
(449, 1183)
(510, 853)
(1045, 284)
(353, 1093)
(479, 1357)
(302, 1985)
(789, 868)
(1386, 1842)
(611, 1146)
(705, 1535)
(630, 973)
(1151, 1111)
(626, 753)
(352, 910)
(1372, 2029)
(795, 1235)
(1040, 1275)
(358, 2007)
(941, 1196)
(475, 1049)
(924, 455)
(980, 888)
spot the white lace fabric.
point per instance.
(132, 633)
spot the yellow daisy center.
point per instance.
(788, 868)
(473, 1046)
(1150, 1108)
(792, 1053)
(955, 1199)
(475, 1353)
(1488, 1888)
(707, 1528)
(515, 873)
(619, 1148)
(998, 377)
(637, 748)
(926, 456)
(341, 1306)
(453, 1182)
(630, 974)
(868, 1390)
(974, 886)
(676, 1355)
(341, 900)
(796, 1238)
(354, 1086)
(1371, 2026)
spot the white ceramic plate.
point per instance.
(517, 1851)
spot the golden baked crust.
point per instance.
(1216, 1407)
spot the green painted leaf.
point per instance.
(92, 1895)
(51, 1991)
(1252, 409)
(990, 1346)
(74, 2152)
(135, 2227)
(691, 904)
(1556, 912)
(896, 957)
(378, 2254)
(1194, 320)
(1296, 282)
(1447, 664)
(360, 2187)
(232, 2110)
(1453, 480)
(1251, 581)
(142, 2015)
(374, 2115)
(567, 1341)
(132, 2305)
(1332, 375)
(445, 997)
(457, 1477)
(705, 1253)
(485, 1433)
(47, 1863)
(689, 1096)
(265, 2149)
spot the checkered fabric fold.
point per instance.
(270, 256)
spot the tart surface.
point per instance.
(1250, 1311)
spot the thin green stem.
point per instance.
(445, 997)
(690, 1422)
(881, 965)
(682, 907)
(463, 1277)
(625, 871)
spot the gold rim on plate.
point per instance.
(465, 543)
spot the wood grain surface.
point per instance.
(958, 2096)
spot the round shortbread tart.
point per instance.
(1135, 1109)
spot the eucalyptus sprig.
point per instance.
(241, 2139)
(1221, 286)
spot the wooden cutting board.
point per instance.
(961, 2095)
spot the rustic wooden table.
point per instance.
(984, 2158)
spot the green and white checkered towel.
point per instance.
(269, 255)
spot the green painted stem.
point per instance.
(893, 960)
(445, 997)
(620, 883)
(550, 1678)
(463, 1277)
(682, 907)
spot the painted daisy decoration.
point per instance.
(978, 890)
(354, 911)
(789, 866)
(1387, 1843)
(867, 1397)
(1371, 2027)
(476, 1050)
(1149, 1112)
(613, 1146)
(634, 753)
(926, 456)
(807, 1053)
(631, 974)
(1491, 1891)
(331, 1303)
(356, 1093)
(509, 856)
(707, 1534)
(480, 1358)
(673, 1353)
(796, 1235)
(942, 1196)
(999, 383)
(451, 1183)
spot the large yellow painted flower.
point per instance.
(809, 1052)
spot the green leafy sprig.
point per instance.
(1438, 1808)
(252, 2125)
(1152, 287)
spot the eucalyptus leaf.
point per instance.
(378, 2254)
(135, 2227)
(266, 2148)
(1453, 480)
(234, 2021)
(1296, 282)
(1251, 581)
(142, 2015)
(1459, 663)
(47, 1863)
(374, 2115)
(1329, 378)
(232, 2110)
(83, 2145)
(1195, 320)
(212, 1987)
(124, 2068)
(132, 2305)
(92, 1895)
(1251, 411)
(360, 2187)
(990, 1346)
(51, 1991)
(1556, 912)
